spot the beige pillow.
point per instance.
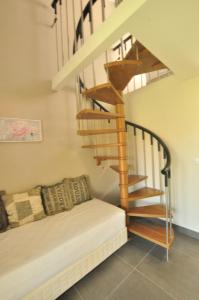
(56, 199)
(78, 189)
(24, 207)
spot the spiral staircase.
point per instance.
(119, 74)
(141, 158)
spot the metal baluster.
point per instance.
(82, 23)
(91, 16)
(74, 26)
(149, 77)
(129, 134)
(134, 86)
(103, 4)
(57, 46)
(136, 153)
(144, 154)
(170, 208)
(57, 40)
(91, 31)
(167, 215)
(95, 138)
(136, 52)
(77, 89)
(160, 168)
(82, 36)
(61, 31)
(122, 50)
(141, 81)
(67, 24)
(153, 162)
(103, 10)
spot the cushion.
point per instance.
(56, 198)
(78, 189)
(3, 214)
(24, 207)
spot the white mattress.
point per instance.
(31, 254)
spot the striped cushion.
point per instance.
(24, 207)
(56, 199)
(78, 189)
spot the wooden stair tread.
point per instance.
(145, 192)
(150, 63)
(121, 72)
(105, 93)
(115, 168)
(90, 114)
(133, 179)
(149, 211)
(142, 51)
(106, 157)
(153, 233)
(97, 131)
(102, 145)
(99, 159)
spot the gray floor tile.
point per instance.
(99, 283)
(70, 294)
(133, 251)
(139, 288)
(186, 244)
(180, 276)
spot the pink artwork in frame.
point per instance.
(20, 130)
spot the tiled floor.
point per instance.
(139, 271)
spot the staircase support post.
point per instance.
(122, 152)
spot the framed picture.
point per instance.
(20, 130)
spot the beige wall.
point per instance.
(171, 109)
(27, 59)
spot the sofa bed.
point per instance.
(41, 260)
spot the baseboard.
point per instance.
(186, 231)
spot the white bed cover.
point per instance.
(33, 253)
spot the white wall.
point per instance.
(170, 108)
(28, 62)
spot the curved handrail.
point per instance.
(166, 169)
(86, 11)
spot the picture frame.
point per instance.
(14, 130)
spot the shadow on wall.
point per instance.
(105, 186)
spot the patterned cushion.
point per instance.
(3, 214)
(56, 199)
(78, 189)
(24, 207)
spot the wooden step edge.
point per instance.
(99, 159)
(148, 211)
(116, 168)
(95, 114)
(149, 233)
(122, 62)
(133, 197)
(96, 87)
(133, 180)
(102, 146)
(101, 87)
(98, 131)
